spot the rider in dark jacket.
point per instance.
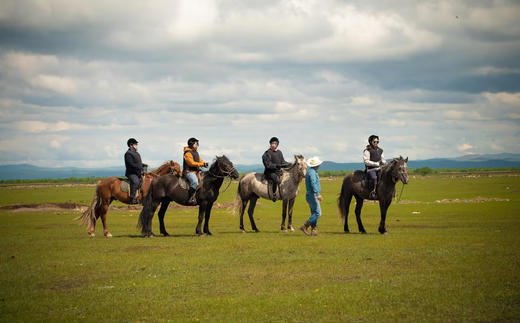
(134, 167)
(273, 162)
(373, 158)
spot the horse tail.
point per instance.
(238, 201)
(342, 201)
(89, 216)
(144, 216)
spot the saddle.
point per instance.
(143, 188)
(269, 184)
(185, 184)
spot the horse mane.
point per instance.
(159, 169)
(295, 162)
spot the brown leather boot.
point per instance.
(314, 231)
(304, 228)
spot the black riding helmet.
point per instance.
(192, 141)
(131, 141)
(274, 139)
(372, 138)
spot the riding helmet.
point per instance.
(131, 141)
(372, 138)
(192, 141)
(274, 139)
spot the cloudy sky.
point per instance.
(431, 78)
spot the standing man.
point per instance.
(313, 195)
(191, 167)
(373, 158)
(273, 163)
(134, 168)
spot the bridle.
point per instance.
(227, 173)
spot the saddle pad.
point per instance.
(124, 186)
(183, 183)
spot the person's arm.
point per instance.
(366, 159)
(188, 157)
(316, 187)
(383, 160)
(284, 163)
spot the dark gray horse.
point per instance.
(167, 188)
(354, 184)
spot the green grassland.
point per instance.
(440, 262)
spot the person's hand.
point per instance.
(319, 197)
(206, 164)
(381, 163)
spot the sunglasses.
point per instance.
(376, 141)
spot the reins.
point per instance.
(227, 174)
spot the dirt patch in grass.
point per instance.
(79, 207)
(477, 199)
(65, 284)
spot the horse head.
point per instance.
(174, 168)
(223, 167)
(301, 164)
(400, 169)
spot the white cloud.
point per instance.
(464, 147)
(39, 126)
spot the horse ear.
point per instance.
(406, 160)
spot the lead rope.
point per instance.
(400, 195)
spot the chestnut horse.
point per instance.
(109, 189)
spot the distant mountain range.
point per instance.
(26, 171)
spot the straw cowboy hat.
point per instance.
(314, 161)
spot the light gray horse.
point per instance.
(253, 186)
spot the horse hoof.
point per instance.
(242, 230)
(165, 234)
(363, 232)
(208, 233)
(256, 230)
(92, 235)
(108, 235)
(284, 230)
(291, 229)
(346, 231)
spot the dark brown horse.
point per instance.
(109, 189)
(169, 188)
(355, 184)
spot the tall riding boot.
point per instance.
(304, 228)
(192, 200)
(274, 192)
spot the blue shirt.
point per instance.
(312, 181)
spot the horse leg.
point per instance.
(383, 206)
(147, 232)
(359, 205)
(103, 208)
(250, 211)
(290, 209)
(162, 212)
(202, 209)
(284, 215)
(242, 210)
(206, 219)
(348, 199)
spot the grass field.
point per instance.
(446, 261)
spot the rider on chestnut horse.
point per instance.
(134, 168)
(373, 158)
